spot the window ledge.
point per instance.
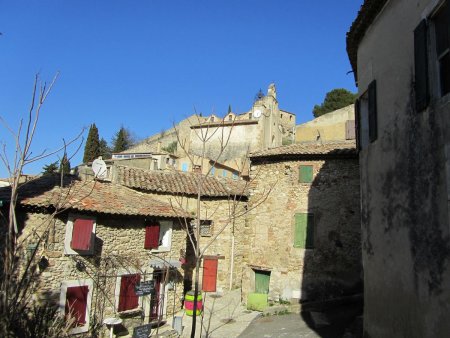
(161, 249)
(130, 313)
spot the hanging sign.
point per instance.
(145, 288)
(142, 331)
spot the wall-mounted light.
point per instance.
(80, 266)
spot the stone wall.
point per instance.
(334, 265)
(220, 212)
(119, 249)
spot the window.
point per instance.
(305, 174)
(230, 117)
(235, 176)
(366, 117)
(442, 36)
(213, 171)
(440, 23)
(184, 167)
(212, 118)
(205, 228)
(350, 129)
(158, 236)
(250, 115)
(75, 303)
(304, 231)
(80, 235)
(224, 173)
(127, 298)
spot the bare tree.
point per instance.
(17, 312)
(221, 132)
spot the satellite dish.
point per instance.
(257, 113)
(99, 168)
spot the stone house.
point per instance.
(335, 126)
(94, 242)
(223, 219)
(400, 54)
(265, 125)
(305, 237)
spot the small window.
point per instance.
(128, 300)
(442, 31)
(250, 115)
(367, 117)
(184, 167)
(235, 176)
(281, 116)
(304, 231)
(75, 303)
(212, 118)
(213, 171)
(158, 236)
(80, 235)
(205, 228)
(224, 173)
(230, 117)
(305, 174)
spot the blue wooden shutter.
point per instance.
(421, 82)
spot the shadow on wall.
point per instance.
(329, 231)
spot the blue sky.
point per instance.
(145, 64)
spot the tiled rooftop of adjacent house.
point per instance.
(93, 196)
(331, 148)
(176, 182)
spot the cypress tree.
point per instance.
(121, 141)
(92, 147)
(64, 166)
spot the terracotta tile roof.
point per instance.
(99, 197)
(368, 12)
(347, 148)
(176, 182)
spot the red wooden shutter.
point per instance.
(151, 236)
(81, 234)
(76, 303)
(127, 297)
(209, 274)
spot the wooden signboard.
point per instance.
(145, 288)
(142, 331)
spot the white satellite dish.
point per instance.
(99, 168)
(257, 113)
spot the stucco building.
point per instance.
(305, 237)
(400, 54)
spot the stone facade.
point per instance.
(332, 266)
(119, 249)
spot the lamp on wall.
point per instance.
(80, 266)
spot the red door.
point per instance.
(209, 274)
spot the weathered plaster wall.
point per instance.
(406, 243)
(333, 266)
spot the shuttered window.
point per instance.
(421, 84)
(152, 236)
(76, 304)
(373, 119)
(82, 234)
(304, 231)
(358, 124)
(128, 300)
(305, 174)
(350, 129)
(442, 35)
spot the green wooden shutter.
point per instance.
(305, 174)
(262, 281)
(373, 120)
(304, 231)
(421, 85)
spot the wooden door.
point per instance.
(155, 301)
(262, 281)
(209, 274)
